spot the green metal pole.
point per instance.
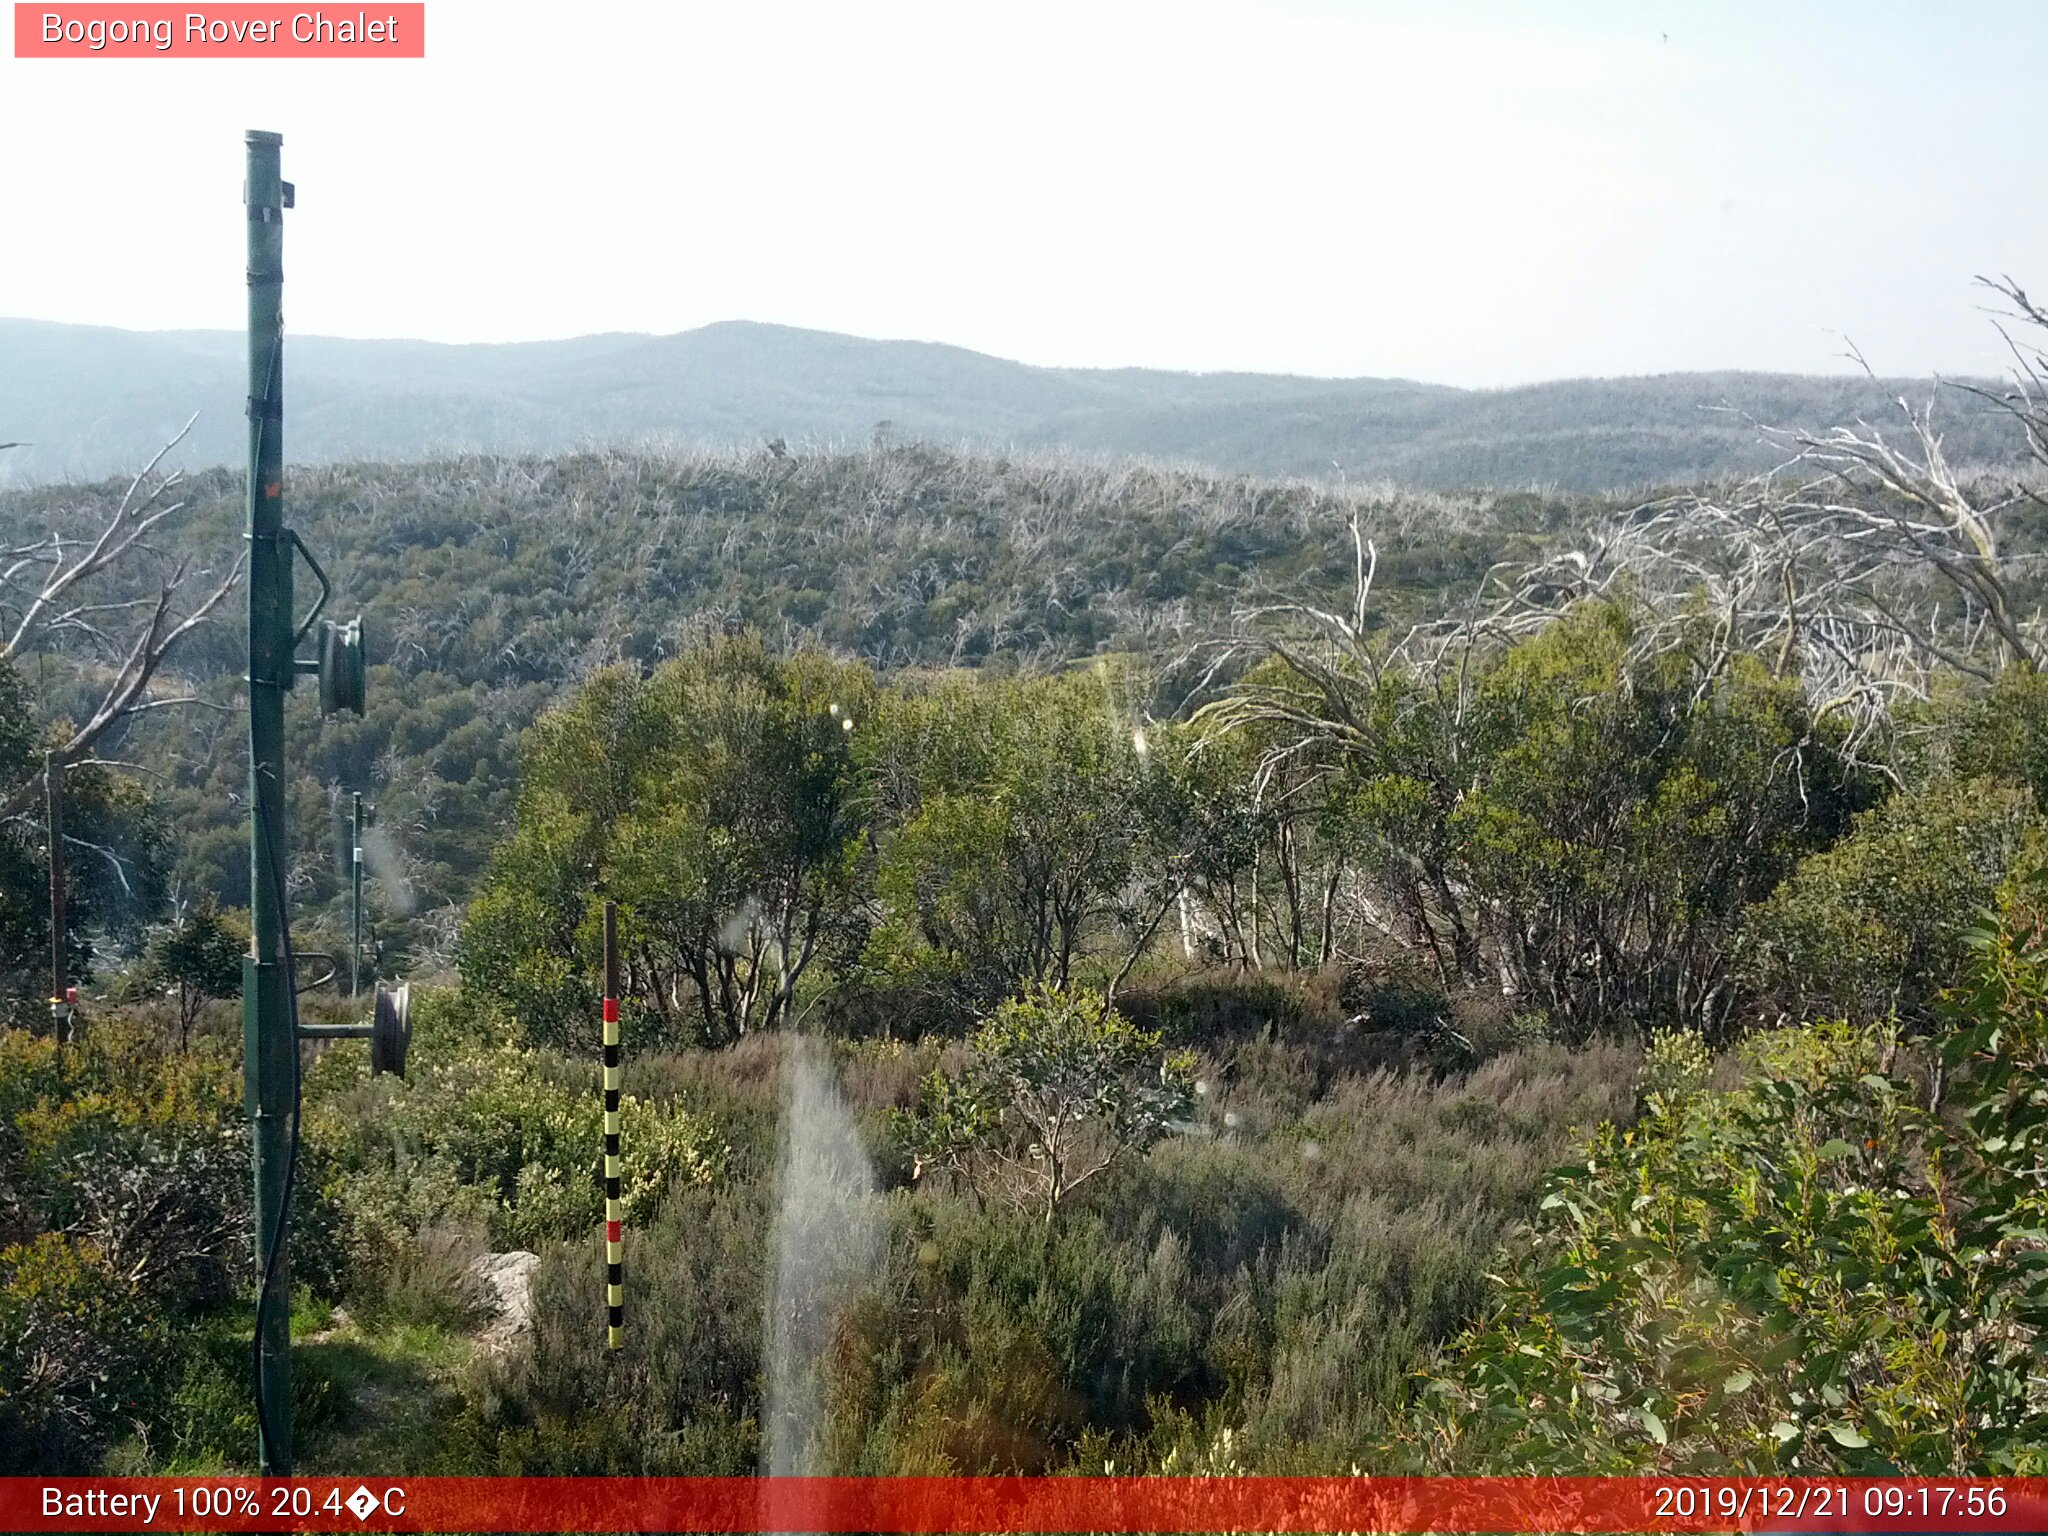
(268, 1049)
(355, 909)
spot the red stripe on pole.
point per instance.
(934, 1506)
(611, 1232)
(611, 1010)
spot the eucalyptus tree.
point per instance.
(719, 801)
(1575, 812)
(1016, 825)
(116, 876)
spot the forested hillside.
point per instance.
(92, 401)
(492, 586)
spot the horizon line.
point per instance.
(1847, 372)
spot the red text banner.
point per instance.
(937, 1505)
(232, 31)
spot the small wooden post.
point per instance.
(53, 807)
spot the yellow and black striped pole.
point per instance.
(614, 1246)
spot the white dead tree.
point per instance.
(1865, 562)
(1340, 701)
(49, 597)
(2025, 397)
(1335, 658)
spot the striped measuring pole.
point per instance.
(614, 1244)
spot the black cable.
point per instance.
(268, 1280)
(291, 1159)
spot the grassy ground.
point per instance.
(363, 1398)
(387, 1389)
(1284, 1269)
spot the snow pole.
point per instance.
(614, 1246)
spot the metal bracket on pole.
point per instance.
(320, 602)
(271, 1033)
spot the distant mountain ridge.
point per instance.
(94, 401)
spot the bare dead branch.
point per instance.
(56, 603)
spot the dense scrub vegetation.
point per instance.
(1328, 1119)
(1279, 1266)
(489, 587)
(1578, 831)
(1821, 1265)
(1284, 1028)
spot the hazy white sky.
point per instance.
(1471, 193)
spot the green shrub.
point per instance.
(680, 1397)
(1012, 1341)
(198, 957)
(1873, 926)
(78, 1349)
(719, 801)
(428, 1283)
(1675, 1064)
(1806, 1273)
(1059, 1088)
(132, 1148)
(486, 1144)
